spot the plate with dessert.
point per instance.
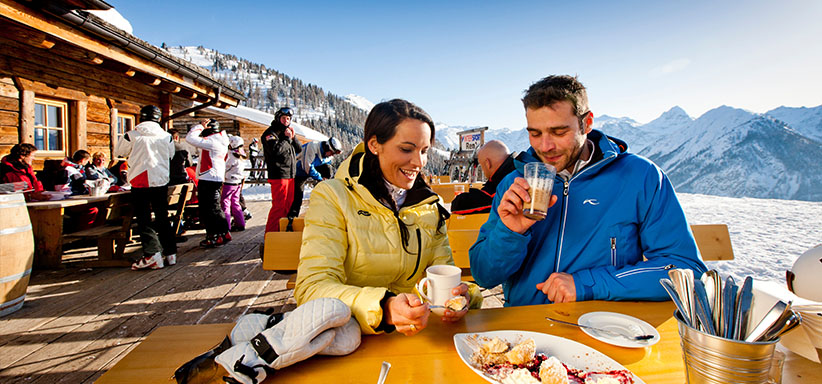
(532, 357)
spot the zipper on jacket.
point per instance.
(566, 187)
(419, 254)
(644, 270)
(613, 252)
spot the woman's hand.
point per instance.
(451, 316)
(407, 313)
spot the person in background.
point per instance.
(619, 226)
(280, 147)
(17, 167)
(149, 149)
(75, 168)
(256, 157)
(313, 154)
(179, 162)
(232, 188)
(496, 163)
(212, 144)
(96, 170)
(371, 232)
(119, 168)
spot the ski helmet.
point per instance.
(150, 113)
(332, 145)
(287, 111)
(803, 278)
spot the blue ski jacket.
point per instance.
(617, 228)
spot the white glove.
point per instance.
(346, 340)
(243, 364)
(247, 327)
(308, 330)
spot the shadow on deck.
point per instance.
(78, 322)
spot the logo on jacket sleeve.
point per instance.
(591, 202)
(363, 213)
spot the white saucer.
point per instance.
(618, 322)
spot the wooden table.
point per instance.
(47, 226)
(430, 356)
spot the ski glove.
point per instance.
(305, 332)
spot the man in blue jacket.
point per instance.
(615, 226)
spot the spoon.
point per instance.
(386, 366)
(771, 317)
(606, 331)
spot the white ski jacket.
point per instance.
(213, 151)
(149, 149)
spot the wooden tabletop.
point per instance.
(54, 204)
(430, 356)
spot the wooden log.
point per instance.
(9, 119)
(98, 112)
(26, 115)
(9, 104)
(8, 90)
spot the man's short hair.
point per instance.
(98, 155)
(80, 155)
(556, 88)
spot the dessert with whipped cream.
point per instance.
(518, 362)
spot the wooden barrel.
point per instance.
(16, 252)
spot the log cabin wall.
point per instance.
(91, 81)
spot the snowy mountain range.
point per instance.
(725, 152)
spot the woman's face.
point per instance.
(29, 159)
(403, 156)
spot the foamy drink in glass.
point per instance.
(540, 178)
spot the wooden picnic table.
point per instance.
(430, 356)
(47, 226)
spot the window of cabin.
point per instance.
(125, 123)
(50, 123)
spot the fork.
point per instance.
(606, 331)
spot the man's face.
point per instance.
(99, 161)
(555, 134)
(285, 120)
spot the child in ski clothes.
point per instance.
(233, 186)
(212, 145)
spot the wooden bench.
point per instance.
(115, 233)
(178, 197)
(474, 221)
(297, 224)
(281, 250)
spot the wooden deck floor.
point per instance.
(78, 322)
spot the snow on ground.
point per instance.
(767, 235)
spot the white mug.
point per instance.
(440, 280)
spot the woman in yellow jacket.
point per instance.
(371, 232)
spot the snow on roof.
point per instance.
(266, 118)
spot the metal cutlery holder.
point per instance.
(713, 359)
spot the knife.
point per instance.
(703, 309)
(743, 309)
(669, 287)
(729, 309)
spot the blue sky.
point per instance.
(468, 62)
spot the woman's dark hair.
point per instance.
(19, 151)
(382, 123)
